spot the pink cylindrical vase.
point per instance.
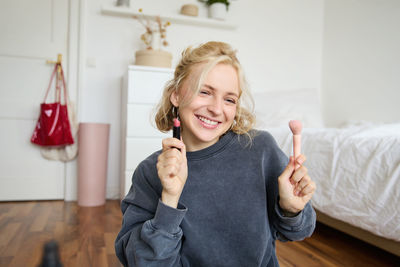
(92, 163)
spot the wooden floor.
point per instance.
(85, 235)
(86, 238)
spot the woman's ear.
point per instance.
(174, 98)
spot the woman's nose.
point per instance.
(215, 106)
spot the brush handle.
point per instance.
(176, 132)
(296, 148)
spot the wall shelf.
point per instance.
(179, 19)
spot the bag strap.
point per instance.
(51, 81)
(58, 89)
(66, 99)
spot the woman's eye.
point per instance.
(231, 100)
(203, 92)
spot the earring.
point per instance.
(175, 112)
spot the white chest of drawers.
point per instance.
(141, 93)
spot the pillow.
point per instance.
(277, 108)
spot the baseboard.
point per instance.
(389, 245)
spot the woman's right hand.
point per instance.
(172, 170)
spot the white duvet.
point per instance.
(357, 172)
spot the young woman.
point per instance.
(222, 194)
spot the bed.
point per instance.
(356, 167)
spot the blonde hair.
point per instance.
(208, 54)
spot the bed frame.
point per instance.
(389, 245)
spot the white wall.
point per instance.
(279, 44)
(361, 61)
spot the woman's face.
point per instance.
(211, 113)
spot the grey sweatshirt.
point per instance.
(228, 214)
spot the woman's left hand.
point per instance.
(295, 186)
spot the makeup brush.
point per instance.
(176, 130)
(296, 127)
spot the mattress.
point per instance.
(357, 173)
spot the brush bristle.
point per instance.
(295, 126)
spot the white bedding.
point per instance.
(357, 172)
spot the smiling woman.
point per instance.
(213, 198)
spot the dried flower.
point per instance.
(152, 26)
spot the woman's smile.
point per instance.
(207, 123)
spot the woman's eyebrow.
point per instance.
(213, 89)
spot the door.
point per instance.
(31, 32)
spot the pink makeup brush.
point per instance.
(296, 127)
(176, 130)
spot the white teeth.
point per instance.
(208, 121)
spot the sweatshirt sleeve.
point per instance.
(294, 228)
(150, 233)
(286, 228)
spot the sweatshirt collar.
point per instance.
(213, 149)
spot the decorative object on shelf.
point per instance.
(155, 58)
(154, 38)
(190, 10)
(173, 18)
(156, 32)
(122, 3)
(217, 9)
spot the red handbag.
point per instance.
(53, 127)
